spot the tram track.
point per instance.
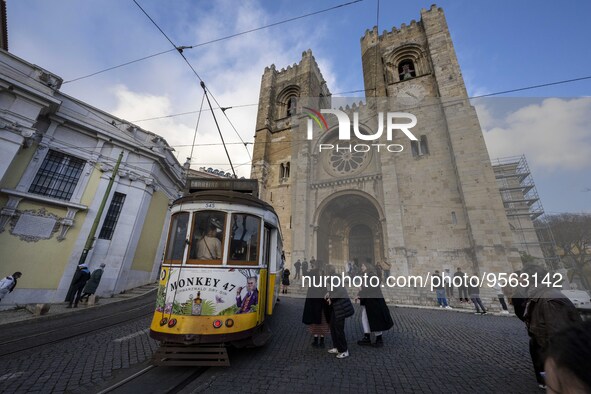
(26, 337)
(155, 379)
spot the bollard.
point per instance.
(42, 309)
(93, 300)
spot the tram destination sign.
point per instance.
(249, 186)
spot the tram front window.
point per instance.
(208, 236)
(176, 238)
(244, 239)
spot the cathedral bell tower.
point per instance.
(274, 142)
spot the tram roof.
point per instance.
(226, 196)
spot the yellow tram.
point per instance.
(221, 271)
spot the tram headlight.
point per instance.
(217, 323)
(229, 323)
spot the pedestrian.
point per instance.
(316, 310)
(8, 284)
(304, 267)
(285, 280)
(313, 261)
(79, 280)
(440, 290)
(297, 265)
(93, 282)
(567, 360)
(340, 309)
(375, 315)
(463, 288)
(501, 296)
(518, 297)
(449, 287)
(475, 296)
(547, 312)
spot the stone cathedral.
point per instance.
(434, 205)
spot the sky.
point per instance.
(501, 45)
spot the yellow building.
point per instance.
(57, 155)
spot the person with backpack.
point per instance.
(8, 284)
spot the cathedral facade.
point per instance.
(422, 204)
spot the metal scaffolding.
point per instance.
(525, 212)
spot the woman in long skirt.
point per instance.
(375, 315)
(316, 310)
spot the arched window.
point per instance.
(406, 69)
(287, 103)
(281, 171)
(406, 62)
(292, 105)
(287, 170)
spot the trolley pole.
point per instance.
(97, 219)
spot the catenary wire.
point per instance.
(214, 40)
(180, 51)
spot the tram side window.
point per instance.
(208, 237)
(244, 239)
(176, 238)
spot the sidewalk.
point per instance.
(58, 309)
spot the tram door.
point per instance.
(267, 256)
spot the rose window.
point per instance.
(345, 162)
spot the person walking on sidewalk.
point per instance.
(78, 282)
(463, 288)
(316, 311)
(8, 284)
(305, 267)
(501, 296)
(475, 295)
(340, 309)
(285, 280)
(93, 282)
(297, 265)
(375, 315)
(440, 290)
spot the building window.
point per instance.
(207, 239)
(420, 147)
(112, 216)
(175, 247)
(454, 218)
(287, 102)
(244, 239)
(58, 176)
(406, 70)
(292, 105)
(284, 171)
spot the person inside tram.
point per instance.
(209, 247)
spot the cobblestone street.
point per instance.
(426, 351)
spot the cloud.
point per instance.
(554, 134)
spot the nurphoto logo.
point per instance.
(345, 124)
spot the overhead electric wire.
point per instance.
(218, 126)
(197, 127)
(117, 66)
(214, 40)
(180, 51)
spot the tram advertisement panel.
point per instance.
(208, 291)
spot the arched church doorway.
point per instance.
(349, 228)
